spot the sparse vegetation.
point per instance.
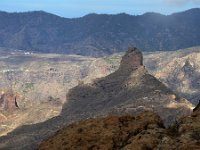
(29, 86)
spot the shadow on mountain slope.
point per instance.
(129, 90)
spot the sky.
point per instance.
(78, 8)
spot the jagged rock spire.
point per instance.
(132, 60)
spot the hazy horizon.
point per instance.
(94, 13)
(78, 8)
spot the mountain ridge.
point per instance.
(99, 34)
(141, 132)
(93, 13)
(130, 89)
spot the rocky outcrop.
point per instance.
(126, 132)
(8, 101)
(187, 132)
(142, 132)
(132, 60)
(129, 90)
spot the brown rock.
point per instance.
(109, 133)
(132, 60)
(9, 101)
(129, 90)
(142, 132)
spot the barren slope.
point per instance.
(129, 90)
(42, 80)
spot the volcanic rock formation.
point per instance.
(132, 60)
(129, 90)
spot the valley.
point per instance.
(40, 82)
(127, 89)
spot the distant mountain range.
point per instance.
(99, 34)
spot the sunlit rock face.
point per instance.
(179, 70)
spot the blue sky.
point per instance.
(77, 8)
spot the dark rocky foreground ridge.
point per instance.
(98, 35)
(142, 132)
(128, 91)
